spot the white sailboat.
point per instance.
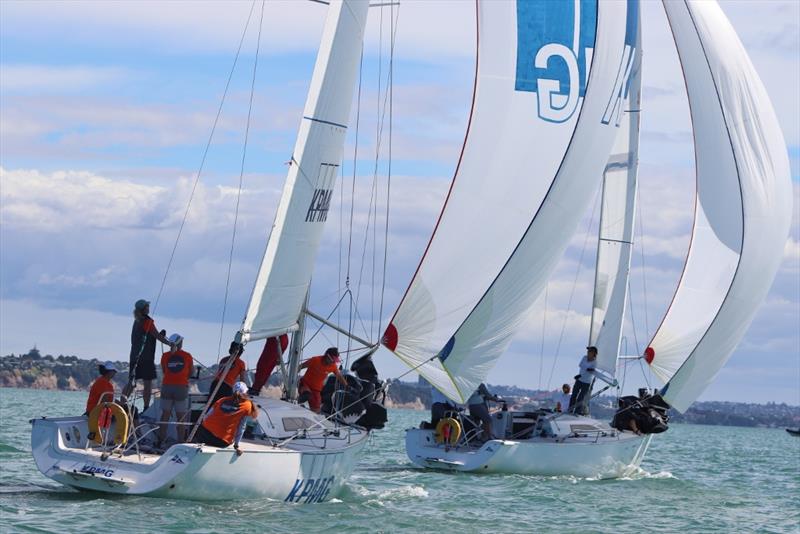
(291, 453)
(464, 307)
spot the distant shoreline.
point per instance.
(71, 373)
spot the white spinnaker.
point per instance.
(743, 208)
(285, 272)
(615, 235)
(521, 185)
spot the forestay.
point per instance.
(617, 209)
(743, 204)
(550, 78)
(285, 272)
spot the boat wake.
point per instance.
(400, 493)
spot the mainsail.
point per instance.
(550, 80)
(285, 273)
(615, 234)
(743, 204)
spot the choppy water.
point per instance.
(694, 479)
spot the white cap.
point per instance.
(240, 388)
(109, 366)
(175, 338)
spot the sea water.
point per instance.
(693, 479)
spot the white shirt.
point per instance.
(562, 398)
(586, 376)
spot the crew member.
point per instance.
(562, 399)
(176, 368)
(237, 372)
(143, 350)
(479, 409)
(582, 390)
(102, 389)
(440, 405)
(270, 356)
(317, 370)
(225, 422)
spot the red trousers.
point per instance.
(273, 349)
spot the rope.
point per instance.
(203, 160)
(241, 179)
(572, 291)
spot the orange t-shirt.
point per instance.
(234, 373)
(225, 416)
(177, 367)
(99, 386)
(317, 371)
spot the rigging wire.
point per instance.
(574, 285)
(544, 330)
(641, 249)
(241, 179)
(203, 159)
(389, 169)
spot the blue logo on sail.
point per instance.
(555, 41)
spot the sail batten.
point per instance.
(550, 79)
(285, 273)
(743, 204)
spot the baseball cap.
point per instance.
(240, 388)
(109, 366)
(175, 338)
(141, 304)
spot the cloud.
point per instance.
(20, 78)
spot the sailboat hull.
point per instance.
(590, 455)
(302, 471)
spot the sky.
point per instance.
(106, 110)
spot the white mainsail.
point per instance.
(743, 204)
(285, 273)
(615, 234)
(550, 79)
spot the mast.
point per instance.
(295, 353)
(617, 210)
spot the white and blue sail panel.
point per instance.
(555, 41)
(743, 204)
(533, 155)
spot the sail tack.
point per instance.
(285, 273)
(550, 79)
(615, 234)
(743, 204)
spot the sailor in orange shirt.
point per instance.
(317, 370)
(225, 421)
(237, 372)
(176, 368)
(102, 389)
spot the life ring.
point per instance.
(448, 430)
(101, 418)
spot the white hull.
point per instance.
(305, 470)
(595, 454)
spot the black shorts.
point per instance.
(145, 369)
(203, 435)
